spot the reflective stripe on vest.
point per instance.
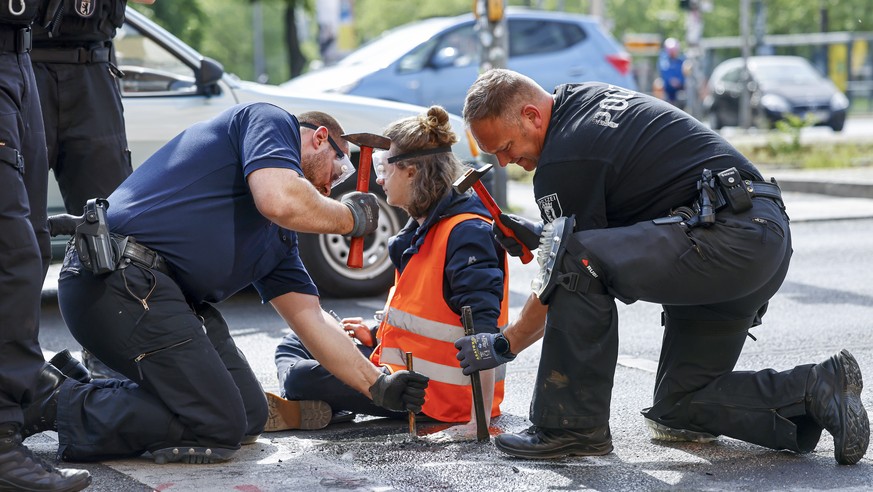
(418, 320)
(436, 372)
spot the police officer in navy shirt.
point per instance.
(665, 211)
(212, 212)
(24, 253)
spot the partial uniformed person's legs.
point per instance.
(22, 269)
(87, 142)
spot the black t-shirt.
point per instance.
(614, 157)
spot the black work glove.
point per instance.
(482, 351)
(365, 212)
(401, 391)
(528, 232)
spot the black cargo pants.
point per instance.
(188, 382)
(714, 284)
(84, 126)
(24, 240)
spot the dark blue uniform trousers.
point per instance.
(24, 240)
(714, 284)
(188, 382)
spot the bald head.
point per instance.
(498, 93)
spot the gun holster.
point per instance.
(97, 250)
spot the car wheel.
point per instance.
(325, 257)
(837, 122)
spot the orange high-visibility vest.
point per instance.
(418, 320)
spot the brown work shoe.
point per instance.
(833, 400)
(20, 469)
(296, 414)
(541, 443)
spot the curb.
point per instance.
(853, 190)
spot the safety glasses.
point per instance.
(381, 165)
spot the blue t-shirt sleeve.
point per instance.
(267, 136)
(289, 276)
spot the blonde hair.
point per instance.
(435, 173)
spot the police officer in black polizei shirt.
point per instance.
(24, 253)
(666, 211)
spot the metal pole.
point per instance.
(693, 34)
(260, 70)
(745, 95)
(494, 51)
(411, 413)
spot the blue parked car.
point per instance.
(434, 61)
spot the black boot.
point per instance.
(539, 443)
(20, 469)
(833, 400)
(42, 413)
(98, 368)
(70, 366)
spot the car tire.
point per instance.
(325, 257)
(837, 122)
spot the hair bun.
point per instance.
(437, 124)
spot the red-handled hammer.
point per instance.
(367, 142)
(471, 178)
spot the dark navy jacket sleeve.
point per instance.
(474, 273)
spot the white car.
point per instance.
(168, 86)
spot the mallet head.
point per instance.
(368, 140)
(470, 177)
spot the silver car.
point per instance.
(168, 86)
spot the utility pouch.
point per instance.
(94, 243)
(734, 189)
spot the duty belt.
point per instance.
(141, 255)
(755, 189)
(15, 40)
(70, 55)
(718, 191)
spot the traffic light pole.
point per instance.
(493, 34)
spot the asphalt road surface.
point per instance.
(825, 304)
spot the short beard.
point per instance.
(314, 166)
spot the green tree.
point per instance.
(184, 19)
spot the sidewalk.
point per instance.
(844, 182)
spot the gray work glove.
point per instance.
(401, 391)
(365, 212)
(528, 232)
(482, 351)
